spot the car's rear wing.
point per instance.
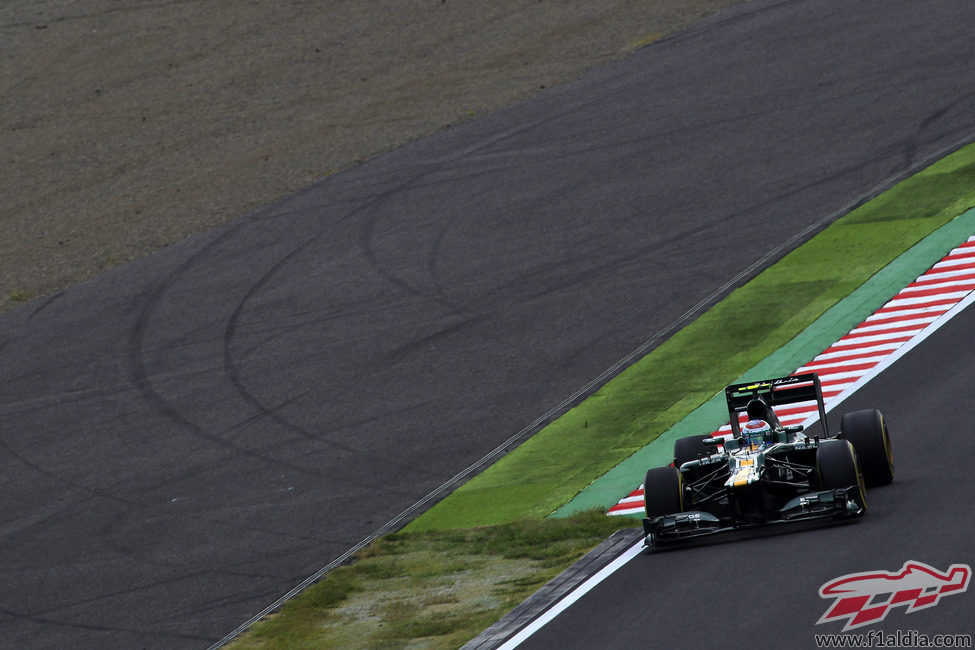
(776, 392)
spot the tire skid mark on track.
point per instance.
(272, 413)
(142, 379)
(89, 493)
(428, 174)
(48, 621)
(231, 330)
(367, 243)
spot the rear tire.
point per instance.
(663, 491)
(867, 430)
(690, 448)
(837, 466)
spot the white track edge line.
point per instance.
(573, 596)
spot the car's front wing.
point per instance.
(684, 526)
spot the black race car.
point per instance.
(771, 474)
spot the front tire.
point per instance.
(663, 491)
(690, 448)
(867, 430)
(837, 466)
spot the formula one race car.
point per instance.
(766, 473)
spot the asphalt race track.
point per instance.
(184, 439)
(764, 592)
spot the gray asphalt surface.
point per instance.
(764, 592)
(187, 437)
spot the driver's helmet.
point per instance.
(757, 434)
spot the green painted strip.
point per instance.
(835, 323)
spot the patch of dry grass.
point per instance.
(434, 589)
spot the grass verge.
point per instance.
(431, 589)
(688, 369)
